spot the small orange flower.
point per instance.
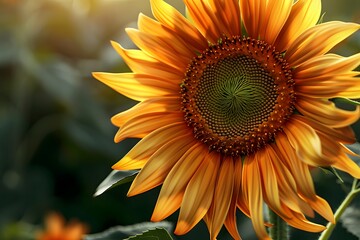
(57, 230)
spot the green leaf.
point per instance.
(115, 178)
(333, 171)
(351, 220)
(155, 234)
(347, 100)
(157, 231)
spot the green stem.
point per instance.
(279, 230)
(330, 226)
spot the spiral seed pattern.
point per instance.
(237, 95)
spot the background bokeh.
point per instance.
(56, 140)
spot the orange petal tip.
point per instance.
(182, 228)
(156, 217)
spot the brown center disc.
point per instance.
(237, 95)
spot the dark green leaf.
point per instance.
(115, 178)
(141, 229)
(331, 170)
(154, 234)
(351, 220)
(347, 100)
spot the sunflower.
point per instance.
(235, 107)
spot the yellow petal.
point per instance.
(140, 62)
(205, 20)
(222, 196)
(324, 91)
(140, 153)
(326, 112)
(328, 76)
(308, 68)
(331, 149)
(254, 195)
(171, 18)
(269, 181)
(165, 35)
(286, 184)
(335, 153)
(318, 40)
(159, 164)
(326, 65)
(325, 79)
(142, 125)
(230, 221)
(252, 14)
(228, 13)
(153, 105)
(344, 163)
(304, 14)
(304, 140)
(138, 86)
(174, 186)
(276, 14)
(299, 170)
(335, 87)
(198, 194)
(243, 205)
(160, 48)
(344, 135)
(323, 208)
(298, 220)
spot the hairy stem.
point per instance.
(279, 230)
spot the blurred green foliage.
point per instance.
(55, 135)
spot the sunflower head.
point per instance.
(230, 119)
